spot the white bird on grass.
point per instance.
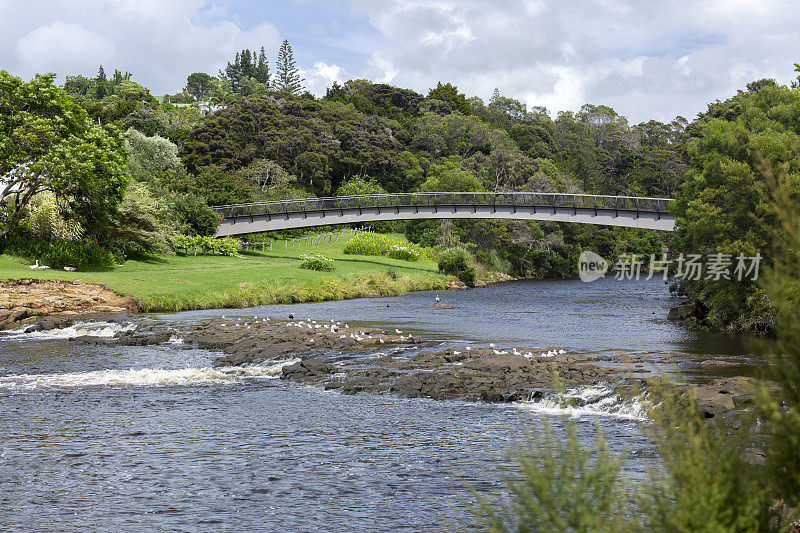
(36, 266)
(398, 331)
(69, 269)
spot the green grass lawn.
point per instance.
(202, 282)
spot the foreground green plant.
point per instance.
(557, 484)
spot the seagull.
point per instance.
(398, 331)
(492, 345)
(438, 299)
(380, 340)
(562, 352)
(467, 348)
(310, 341)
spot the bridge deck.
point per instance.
(651, 213)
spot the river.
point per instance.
(151, 438)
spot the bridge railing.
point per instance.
(444, 199)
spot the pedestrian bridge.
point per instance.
(627, 211)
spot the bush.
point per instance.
(407, 252)
(58, 254)
(316, 262)
(467, 276)
(453, 260)
(205, 245)
(193, 215)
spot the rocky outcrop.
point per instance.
(24, 301)
(307, 369)
(685, 311)
(722, 395)
(256, 341)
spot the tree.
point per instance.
(148, 157)
(447, 175)
(101, 84)
(145, 121)
(48, 143)
(360, 187)
(199, 85)
(261, 71)
(268, 176)
(288, 75)
(449, 93)
(725, 203)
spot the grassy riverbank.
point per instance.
(174, 283)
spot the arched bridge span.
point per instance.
(627, 211)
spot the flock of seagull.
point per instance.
(360, 335)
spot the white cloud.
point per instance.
(159, 42)
(322, 76)
(63, 46)
(646, 59)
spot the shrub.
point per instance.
(407, 252)
(467, 276)
(205, 245)
(453, 260)
(58, 254)
(367, 244)
(374, 244)
(316, 262)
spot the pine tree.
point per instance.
(262, 68)
(101, 84)
(288, 75)
(246, 66)
(495, 96)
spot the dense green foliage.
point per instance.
(57, 253)
(49, 143)
(725, 204)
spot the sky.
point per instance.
(648, 59)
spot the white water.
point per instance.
(144, 377)
(78, 329)
(590, 400)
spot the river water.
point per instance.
(99, 437)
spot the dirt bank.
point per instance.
(22, 301)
